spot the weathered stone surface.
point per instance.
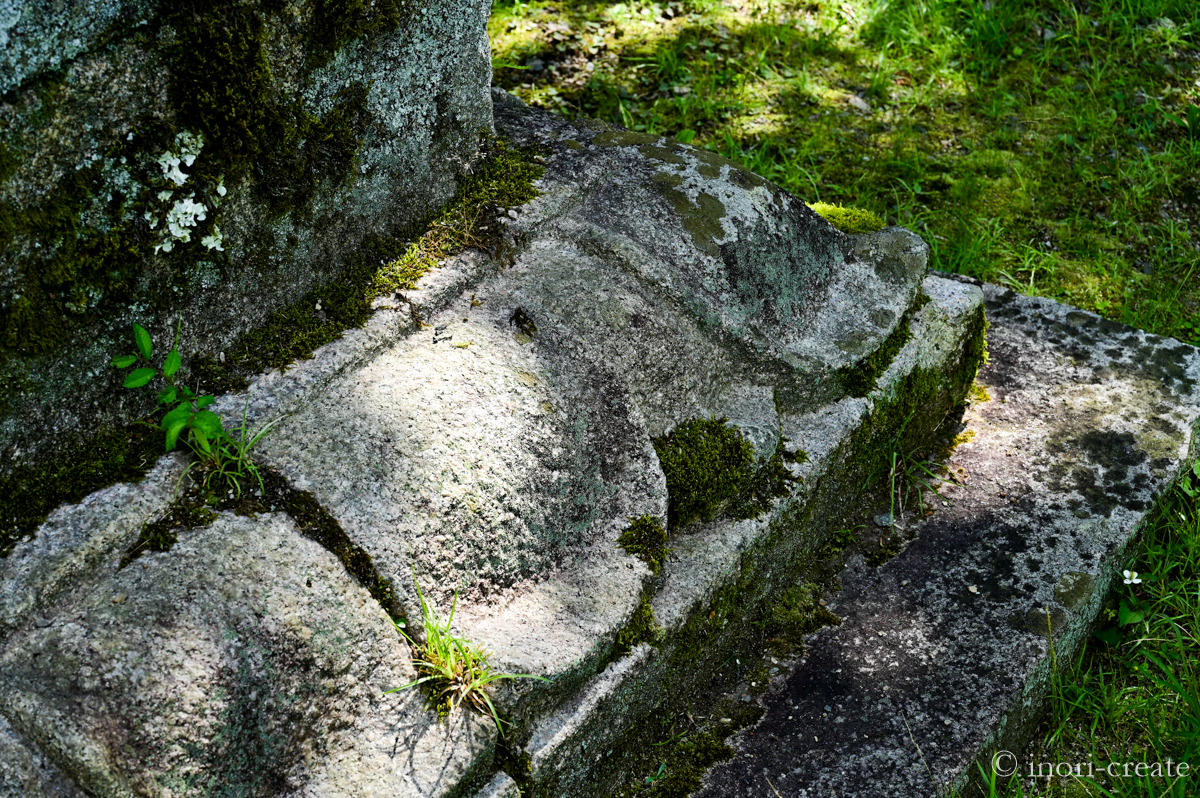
(244, 659)
(26, 771)
(39, 36)
(503, 451)
(502, 786)
(945, 646)
(497, 448)
(80, 541)
(97, 94)
(569, 747)
(751, 267)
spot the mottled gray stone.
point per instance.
(566, 744)
(245, 658)
(945, 647)
(40, 35)
(749, 264)
(79, 541)
(427, 103)
(503, 461)
(25, 772)
(502, 786)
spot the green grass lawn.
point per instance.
(1055, 151)
(1048, 146)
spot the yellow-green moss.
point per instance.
(795, 613)
(849, 220)
(503, 180)
(705, 461)
(772, 481)
(645, 539)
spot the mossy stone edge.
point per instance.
(684, 673)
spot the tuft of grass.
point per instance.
(453, 670)
(849, 220)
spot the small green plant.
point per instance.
(455, 670)
(226, 459)
(1190, 484)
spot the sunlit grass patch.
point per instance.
(1020, 123)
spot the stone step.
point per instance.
(487, 439)
(943, 654)
(718, 577)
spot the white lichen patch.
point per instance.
(184, 212)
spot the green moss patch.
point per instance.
(849, 220)
(795, 613)
(688, 763)
(336, 22)
(29, 493)
(859, 379)
(642, 628)
(705, 461)
(709, 467)
(645, 539)
(503, 180)
(772, 481)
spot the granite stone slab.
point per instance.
(943, 656)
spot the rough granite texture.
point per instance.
(243, 660)
(79, 541)
(501, 450)
(945, 646)
(85, 78)
(25, 771)
(568, 747)
(496, 448)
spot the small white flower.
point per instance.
(1131, 578)
(221, 188)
